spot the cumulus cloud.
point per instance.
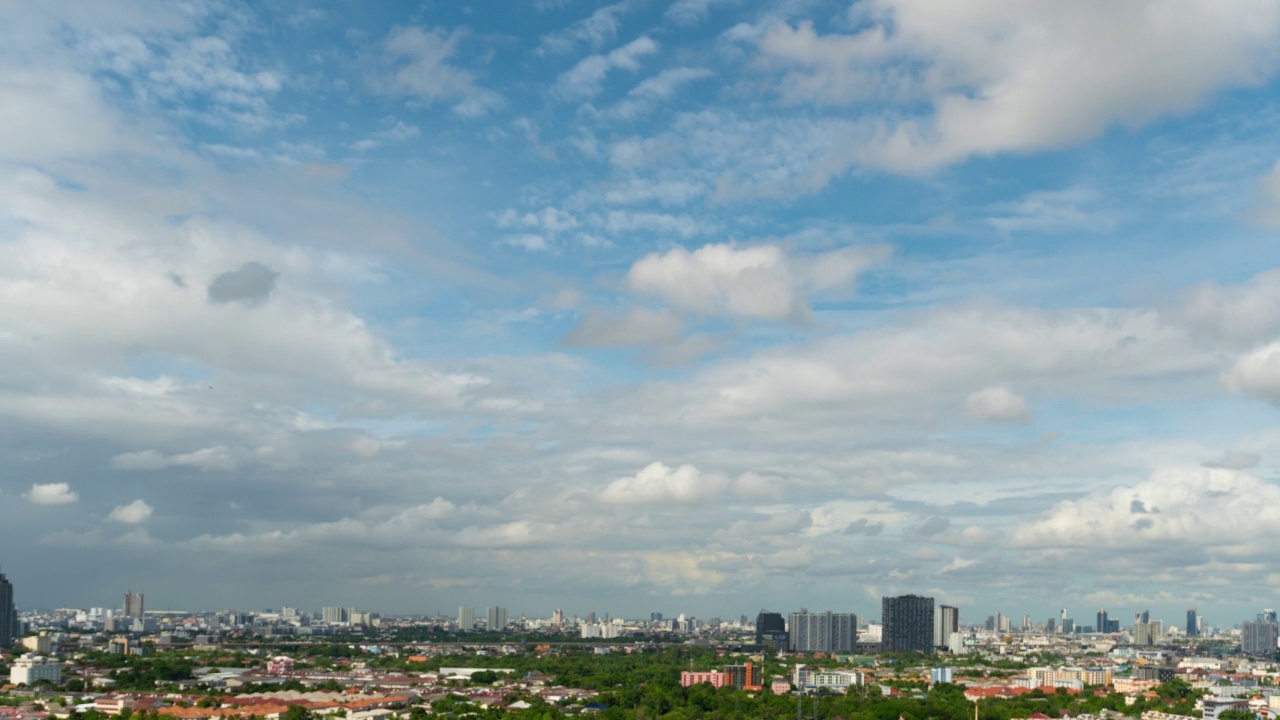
(759, 281)
(998, 404)
(1008, 76)
(51, 494)
(251, 284)
(1215, 510)
(1256, 374)
(1234, 460)
(135, 512)
(660, 484)
(862, 526)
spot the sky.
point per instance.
(691, 306)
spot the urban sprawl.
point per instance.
(918, 660)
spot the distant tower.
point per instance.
(9, 630)
(1193, 624)
(496, 621)
(134, 605)
(466, 619)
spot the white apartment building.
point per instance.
(27, 670)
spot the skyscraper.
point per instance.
(908, 624)
(1103, 621)
(9, 630)
(497, 619)
(1193, 624)
(946, 620)
(133, 605)
(768, 624)
(466, 619)
(822, 632)
(1258, 637)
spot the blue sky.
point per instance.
(697, 306)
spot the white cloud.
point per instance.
(939, 356)
(51, 494)
(592, 31)
(648, 92)
(998, 404)
(1002, 75)
(422, 68)
(587, 77)
(692, 12)
(637, 327)
(660, 484)
(759, 281)
(212, 459)
(1257, 374)
(1213, 509)
(135, 512)
(1240, 315)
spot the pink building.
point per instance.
(715, 677)
(780, 686)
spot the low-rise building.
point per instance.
(27, 670)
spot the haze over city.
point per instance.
(699, 307)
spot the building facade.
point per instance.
(946, 620)
(466, 619)
(28, 670)
(1258, 637)
(497, 619)
(9, 630)
(908, 624)
(767, 624)
(822, 632)
(1193, 624)
(134, 605)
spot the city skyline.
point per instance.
(634, 306)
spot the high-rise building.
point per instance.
(9, 630)
(908, 624)
(1050, 625)
(497, 619)
(946, 620)
(1103, 621)
(134, 606)
(655, 617)
(1258, 637)
(466, 619)
(1142, 635)
(767, 624)
(1142, 617)
(1193, 626)
(1267, 615)
(557, 617)
(333, 615)
(822, 632)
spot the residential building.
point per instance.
(908, 624)
(41, 645)
(497, 619)
(746, 676)
(840, 680)
(689, 678)
(333, 615)
(1258, 637)
(946, 620)
(941, 674)
(466, 619)
(29, 669)
(822, 632)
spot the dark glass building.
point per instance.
(769, 624)
(908, 624)
(9, 630)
